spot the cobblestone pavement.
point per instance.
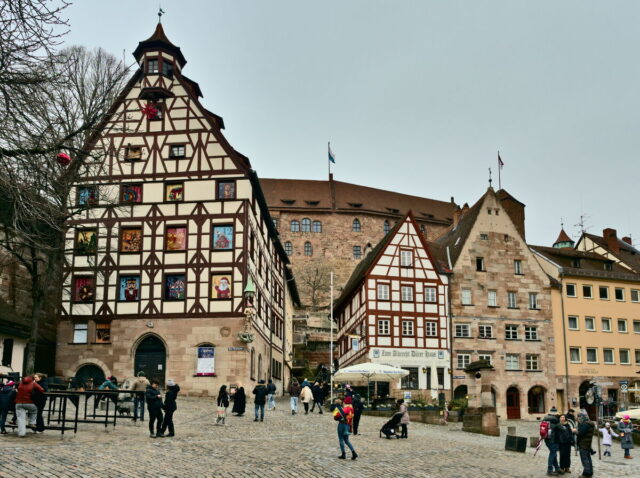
(301, 446)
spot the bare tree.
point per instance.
(314, 276)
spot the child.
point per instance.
(607, 433)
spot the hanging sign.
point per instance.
(206, 361)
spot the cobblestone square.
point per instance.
(300, 446)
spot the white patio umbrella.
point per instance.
(369, 371)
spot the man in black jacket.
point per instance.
(271, 392)
(170, 406)
(154, 405)
(318, 397)
(260, 391)
(552, 441)
(583, 440)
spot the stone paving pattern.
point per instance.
(301, 446)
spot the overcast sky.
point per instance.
(417, 96)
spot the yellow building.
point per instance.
(596, 316)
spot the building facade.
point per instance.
(174, 266)
(500, 307)
(393, 310)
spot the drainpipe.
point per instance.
(450, 325)
(564, 341)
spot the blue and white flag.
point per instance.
(332, 157)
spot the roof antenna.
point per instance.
(160, 13)
(490, 177)
(582, 224)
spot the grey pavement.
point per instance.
(300, 446)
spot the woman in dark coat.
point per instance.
(223, 404)
(170, 407)
(239, 402)
(40, 400)
(565, 441)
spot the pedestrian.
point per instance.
(154, 405)
(111, 383)
(344, 417)
(348, 391)
(239, 402)
(139, 386)
(305, 396)
(223, 404)
(404, 421)
(571, 417)
(318, 397)
(170, 406)
(294, 393)
(25, 408)
(565, 441)
(7, 402)
(607, 435)
(260, 392)
(549, 433)
(583, 440)
(625, 428)
(40, 400)
(271, 392)
(358, 407)
(305, 383)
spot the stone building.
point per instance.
(394, 310)
(175, 268)
(500, 306)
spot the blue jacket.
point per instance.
(7, 397)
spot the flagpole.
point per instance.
(331, 342)
(499, 170)
(328, 158)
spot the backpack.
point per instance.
(544, 430)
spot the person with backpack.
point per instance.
(550, 434)
(583, 441)
(294, 392)
(344, 417)
(271, 395)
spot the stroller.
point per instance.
(389, 428)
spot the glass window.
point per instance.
(308, 249)
(511, 332)
(177, 151)
(485, 331)
(305, 225)
(410, 382)
(484, 237)
(573, 322)
(619, 294)
(603, 292)
(464, 360)
(407, 328)
(592, 355)
(637, 353)
(587, 292)
(167, 67)
(512, 300)
(406, 293)
(636, 326)
(512, 362)
(386, 227)
(80, 332)
(431, 329)
(466, 296)
(430, 294)
(357, 252)
(295, 226)
(133, 153)
(625, 358)
(103, 333)
(533, 361)
(606, 324)
(530, 332)
(635, 295)
(317, 226)
(571, 290)
(463, 330)
(288, 248)
(480, 264)
(517, 266)
(486, 358)
(590, 323)
(533, 300)
(574, 354)
(492, 299)
(356, 226)
(383, 291)
(383, 327)
(622, 325)
(152, 65)
(607, 355)
(406, 258)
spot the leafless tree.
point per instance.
(315, 280)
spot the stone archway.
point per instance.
(151, 358)
(536, 399)
(460, 391)
(89, 376)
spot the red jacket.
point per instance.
(25, 388)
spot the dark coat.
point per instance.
(318, 394)
(223, 400)
(271, 388)
(358, 405)
(7, 398)
(585, 434)
(626, 441)
(170, 398)
(295, 389)
(239, 402)
(565, 434)
(554, 425)
(154, 402)
(261, 394)
(39, 398)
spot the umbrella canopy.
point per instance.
(374, 372)
(633, 414)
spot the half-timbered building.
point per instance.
(174, 267)
(393, 310)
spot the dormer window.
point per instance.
(152, 66)
(608, 266)
(312, 203)
(575, 263)
(355, 204)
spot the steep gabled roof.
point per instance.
(160, 41)
(626, 254)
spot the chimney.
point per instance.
(627, 239)
(610, 237)
(458, 213)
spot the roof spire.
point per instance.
(490, 180)
(160, 13)
(563, 241)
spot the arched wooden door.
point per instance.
(513, 403)
(151, 358)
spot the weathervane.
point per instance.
(160, 13)
(490, 180)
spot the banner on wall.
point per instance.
(206, 361)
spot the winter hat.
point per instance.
(141, 373)
(10, 383)
(170, 383)
(553, 410)
(607, 424)
(348, 401)
(626, 417)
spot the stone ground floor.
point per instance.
(283, 446)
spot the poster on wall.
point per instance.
(176, 238)
(83, 289)
(206, 361)
(174, 192)
(129, 290)
(222, 238)
(131, 240)
(86, 242)
(174, 287)
(87, 195)
(221, 286)
(355, 343)
(226, 190)
(131, 193)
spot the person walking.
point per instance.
(7, 402)
(549, 433)
(344, 416)
(239, 402)
(583, 441)
(305, 396)
(271, 395)
(358, 407)
(139, 386)
(40, 400)
(607, 438)
(318, 397)
(260, 392)
(565, 442)
(26, 410)
(405, 420)
(223, 404)
(625, 428)
(154, 404)
(170, 406)
(294, 393)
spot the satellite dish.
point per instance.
(590, 396)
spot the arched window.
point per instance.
(260, 367)
(295, 226)
(317, 226)
(535, 397)
(357, 252)
(387, 227)
(288, 248)
(356, 226)
(306, 225)
(308, 249)
(253, 364)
